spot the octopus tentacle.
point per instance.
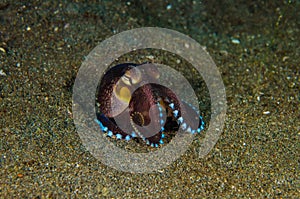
(110, 128)
(150, 139)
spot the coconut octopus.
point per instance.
(130, 103)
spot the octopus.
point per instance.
(131, 103)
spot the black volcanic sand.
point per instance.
(255, 47)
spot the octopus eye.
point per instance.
(138, 118)
(132, 76)
(126, 80)
(122, 93)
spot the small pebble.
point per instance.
(2, 73)
(20, 175)
(150, 56)
(169, 6)
(2, 49)
(67, 25)
(224, 52)
(266, 112)
(235, 41)
(285, 58)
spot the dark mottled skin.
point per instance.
(147, 96)
(110, 78)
